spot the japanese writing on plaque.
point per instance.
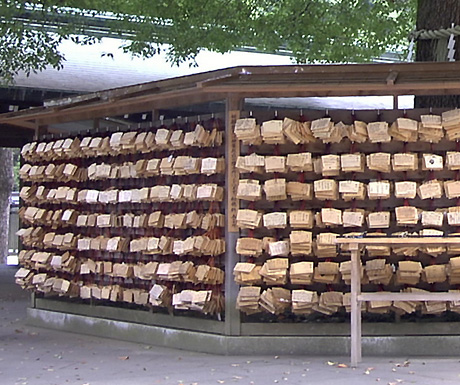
(233, 174)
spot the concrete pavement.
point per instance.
(35, 356)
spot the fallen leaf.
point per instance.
(18, 331)
(406, 363)
(393, 370)
(342, 366)
(235, 364)
(411, 372)
(392, 383)
(330, 363)
(237, 377)
(221, 381)
(276, 357)
(123, 358)
(249, 362)
(399, 381)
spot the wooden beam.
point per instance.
(125, 106)
(352, 88)
(387, 241)
(428, 296)
(391, 78)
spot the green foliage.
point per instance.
(313, 30)
(16, 167)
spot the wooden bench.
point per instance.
(357, 297)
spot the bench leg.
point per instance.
(355, 307)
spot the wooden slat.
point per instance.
(387, 241)
(429, 296)
(328, 88)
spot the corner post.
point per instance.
(40, 131)
(233, 107)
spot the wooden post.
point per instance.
(232, 151)
(355, 306)
(155, 115)
(395, 102)
(40, 131)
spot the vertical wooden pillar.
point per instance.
(155, 115)
(355, 305)
(40, 131)
(395, 102)
(232, 151)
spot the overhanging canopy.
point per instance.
(247, 82)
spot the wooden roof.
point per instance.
(246, 82)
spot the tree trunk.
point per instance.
(436, 14)
(6, 186)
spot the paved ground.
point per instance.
(36, 356)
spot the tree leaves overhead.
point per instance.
(311, 30)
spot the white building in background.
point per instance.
(104, 66)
